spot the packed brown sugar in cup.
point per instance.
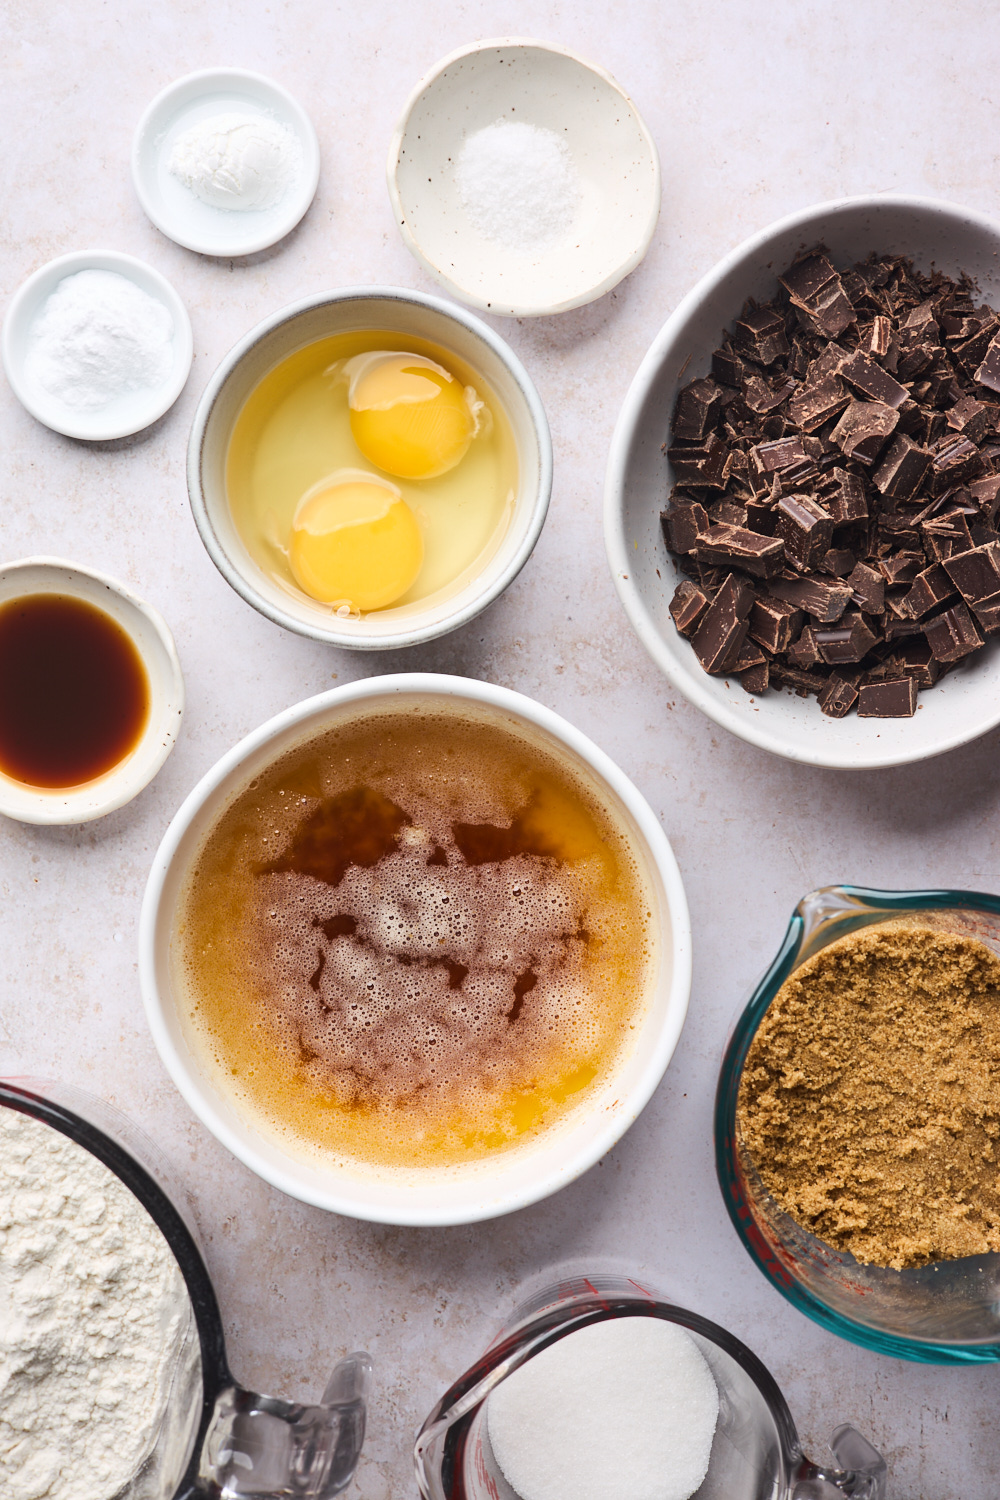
(870, 1101)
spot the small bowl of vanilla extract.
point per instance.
(91, 692)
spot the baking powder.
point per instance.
(237, 161)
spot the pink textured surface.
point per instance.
(756, 111)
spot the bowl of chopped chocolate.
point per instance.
(857, 1120)
(802, 497)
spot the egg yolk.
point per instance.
(355, 541)
(408, 415)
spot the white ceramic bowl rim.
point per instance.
(756, 731)
(58, 416)
(105, 794)
(657, 1048)
(411, 635)
(279, 224)
(497, 306)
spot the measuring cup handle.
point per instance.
(266, 1449)
(862, 1476)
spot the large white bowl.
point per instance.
(966, 703)
(363, 309)
(427, 1196)
(535, 83)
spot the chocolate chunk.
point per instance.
(766, 459)
(804, 652)
(728, 367)
(750, 656)
(696, 407)
(901, 472)
(878, 338)
(826, 602)
(975, 573)
(813, 405)
(805, 528)
(953, 460)
(863, 430)
(895, 698)
(953, 634)
(845, 500)
(868, 588)
(700, 465)
(760, 335)
(971, 418)
(847, 642)
(987, 613)
(838, 560)
(903, 568)
(760, 397)
(871, 380)
(773, 624)
(988, 373)
(688, 606)
(945, 536)
(801, 679)
(727, 511)
(838, 697)
(930, 588)
(756, 679)
(723, 628)
(815, 287)
(914, 657)
(682, 525)
(986, 494)
(969, 353)
(736, 547)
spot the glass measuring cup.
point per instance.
(756, 1453)
(214, 1440)
(944, 1313)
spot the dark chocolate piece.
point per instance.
(826, 602)
(736, 547)
(750, 656)
(838, 697)
(723, 628)
(863, 430)
(760, 335)
(773, 624)
(868, 588)
(953, 460)
(756, 679)
(930, 588)
(728, 367)
(901, 472)
(813, 405)
(765, 459)
(847, 642)
(815, 287)
(804, 652)
(872, 381)
(975, 573)
(728, 512)
(986, 494)
(682, 525)
(895, 698)
(696, 407)
(988, 373)
(700, 465)
(838, 560)
(846, 501)
(878, 340)
(902, 568)
(945, 536)
(953, 634)
(971, 418)
(688, 606)
(760, 397)
(803, 681)
(805, 528)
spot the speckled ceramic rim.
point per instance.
(217, 80)
(485, 1197)
(475, 600)
(149, 633)
(692, 683)
(531, 310)
(92, 427)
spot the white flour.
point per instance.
(92, 1303)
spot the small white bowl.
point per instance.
(125, 415)
(426, 1196)
(318, 317)
(177, 211)
(966, 703)
(537, 84)
(151, 637)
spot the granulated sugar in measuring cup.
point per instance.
(754, 1449)
(112, 1359)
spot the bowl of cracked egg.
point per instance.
(370, 467)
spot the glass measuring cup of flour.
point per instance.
(756, 1454)
(944, 1313)
(212, 1440)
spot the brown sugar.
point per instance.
(870, 1101)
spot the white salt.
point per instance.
(518, 184)
(626, 1407)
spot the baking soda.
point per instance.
(626, 1407)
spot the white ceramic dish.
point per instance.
(402, 312)
(429, 1196)
(152, 639)
(176, 210)
(540, 84)
(966, 703)
(125, 415)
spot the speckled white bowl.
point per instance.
(539, 84)
(402, 312)
(178, 212)
(966, 703)
(126, 414)
(149, 633)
